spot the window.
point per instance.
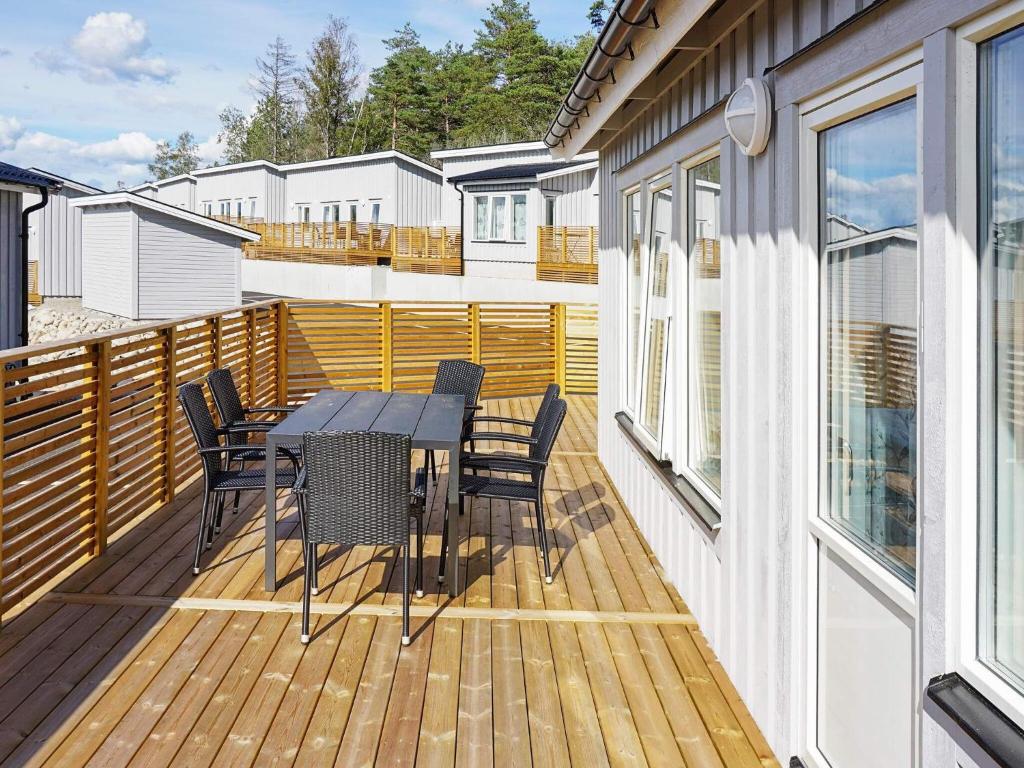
(549, 211)
(657, 309)
(332, 213)
(375, 211)
(704, 284)
(633, 233)
(303, 212)
(868, 234)
(1001, 417)
(238, 209)
(252, 207)
(207, 208)
(499, 217)
(353, 210)
(225, 207)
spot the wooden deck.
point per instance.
(133, 661)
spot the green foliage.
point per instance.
(172, 160)
(506, 87)
(597, 14)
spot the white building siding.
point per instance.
(185, 268)
(108, 265)
(360, 183)
(417, 195)
(180, 193)
(10, 269)
(502, 259)
(56, 243)
(576, 198)
(457, 166)
(233, 185)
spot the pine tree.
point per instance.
(400, 93)
(597, 14)
(276, 115)
(454, 86)
(172, 160)
(327, 85)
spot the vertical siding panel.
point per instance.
(10, 269)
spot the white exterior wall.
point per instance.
(55, 241)
(576, 196)
(109, 237)
(417, 195)
(361, 183)
(180, 193)
(233, 185)
(10, 269)
(481, 160)
(502, 259)
(744, 583)
(185, 268)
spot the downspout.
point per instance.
(462, 226)
(45, 192)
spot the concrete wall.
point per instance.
(744, 583)
(185, 268)
(321, 281)
(109, 239)
(10, 269)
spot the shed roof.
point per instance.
(130, 198)
(12, 174)
(522, 171)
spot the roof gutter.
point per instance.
(613, 43)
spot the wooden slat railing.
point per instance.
(427, 250)
(33, 283)
(567, 254)
(241, 221)
(92, 438)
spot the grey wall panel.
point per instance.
(185, 268)
(576, 198)
(361, 183)
(417, 195)
(478, 161)
(180, 193)
(10, 269)
(56, 243)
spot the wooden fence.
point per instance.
(428, 250)
(33, 283)
(567, 254)
(92, 438)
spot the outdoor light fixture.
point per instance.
(748, 116)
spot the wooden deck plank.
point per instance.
(132, 660)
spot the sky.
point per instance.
(87, 89)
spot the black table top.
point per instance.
(433, 421)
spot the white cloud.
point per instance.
(111, 46)
(211, 151)
(10, 131)
(135, 146)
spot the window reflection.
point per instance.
(656, 332)
(632, 293)
(869, 231)
(1002, 349)
(705, 303)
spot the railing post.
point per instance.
(282, 353)
(218, 341)
(593, 250)
(475, 333)
(387, 356)
(565, 245)
(3, 397)
(251, 365)
(102, 450)
(558, 321)
(170, 411)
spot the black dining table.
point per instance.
(434, 422)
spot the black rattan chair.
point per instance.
(354, 490)
(475, 460)
(219, 478)
(457, 377)
(234, 419)
(534, 464)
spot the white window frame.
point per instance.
(225, 207)
(302, 213)
(208, 208)
(624, 373)
(238, 207)
(887, 84)
(353, 208)
(508, 220)
(332, 212)
(252, 207)
(550, 205)
(376, 204)
(963, 308)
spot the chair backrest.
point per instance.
(550, 396)
(357, 487)
(225, 396)
(547, 430)
(197, 413)
(459, 377)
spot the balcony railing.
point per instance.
(567, 254)
(427, 250)
(241, 221)
(91, 436)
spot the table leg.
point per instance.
(270, 520)
(451, 570)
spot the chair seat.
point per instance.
(250, 479)
(497, 488)
(498, 461)
(292, 451)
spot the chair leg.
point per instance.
(462, 505)
(405, 592)
(238, 494)
(539, 506)
(203, 532)
(218, 519)
(419, 555)
(444, 545)
(432, 463)
(315, 588)
(307, 583)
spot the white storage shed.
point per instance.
(146, 260)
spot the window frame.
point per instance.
(508, 219)
(353, 210)
(375, 207)
(965, 571)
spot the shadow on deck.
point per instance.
(133, 661)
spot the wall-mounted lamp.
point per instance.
(748, 116)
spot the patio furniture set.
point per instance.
(347, 458)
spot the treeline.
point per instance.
(505, 87)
